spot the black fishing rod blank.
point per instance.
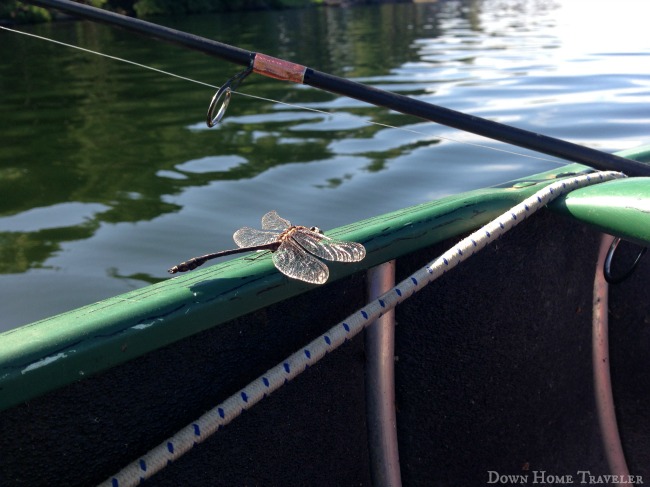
(296, 73)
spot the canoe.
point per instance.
(492, 362)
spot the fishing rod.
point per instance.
(288, 71)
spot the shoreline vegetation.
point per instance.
(16, 12)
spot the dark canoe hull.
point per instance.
(493, 374)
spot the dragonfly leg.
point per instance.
(257, 255)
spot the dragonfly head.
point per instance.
(315, 229)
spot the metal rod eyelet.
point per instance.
(226, 90)
(607, 270)
(213, 119)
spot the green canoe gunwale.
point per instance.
(59, 350)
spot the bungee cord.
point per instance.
(199, 430)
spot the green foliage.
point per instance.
(20, 13)
(144, 8)
(174, 7)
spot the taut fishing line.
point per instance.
(293, 105)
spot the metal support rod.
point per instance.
(334, 84)
(600, 362)
(380, 384)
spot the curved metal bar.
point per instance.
(600, 363)
(607, 266)
(380, 385)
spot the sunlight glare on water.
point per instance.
(599, 30)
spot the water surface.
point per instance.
(108, 175)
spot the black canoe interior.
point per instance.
(493, 373)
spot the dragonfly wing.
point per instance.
(293, 261)
(273, 221)
(250, 237)
(328, 248)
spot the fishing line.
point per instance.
(292, 105)
(115, 58)
(404, 129)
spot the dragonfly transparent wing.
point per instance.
(250, 237)
(328, 248)
(293, 261)
(273, 221)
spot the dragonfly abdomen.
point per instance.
(188, 265)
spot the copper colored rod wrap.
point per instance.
(273, 67)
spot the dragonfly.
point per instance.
(295, 249)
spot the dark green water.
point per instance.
(108, 175)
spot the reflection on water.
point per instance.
(55, 216)
(109, 175)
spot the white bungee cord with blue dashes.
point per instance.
(224, 413)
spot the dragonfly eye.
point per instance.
(316, 229)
